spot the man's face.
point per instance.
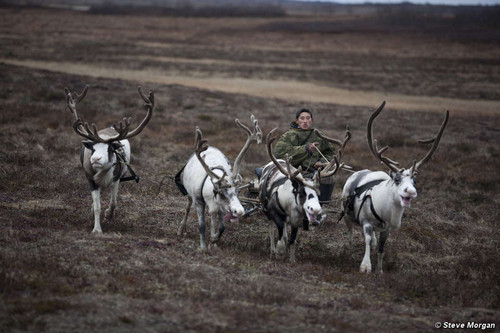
(304, 120)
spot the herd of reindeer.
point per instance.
(372, 200)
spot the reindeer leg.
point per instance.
(200, 209)
(112, 203)
(366, 265)
(213, 220)
(222, 227)
(374, 241)
(182, 227)
(281, 244)
(96, 207)
(293, 243)
(271, 238)
(350, 225)
(380, 253)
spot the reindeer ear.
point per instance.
(116, 145)
(88, 144)
(297, 185)
(397, 177)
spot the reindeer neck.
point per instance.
(382, 198)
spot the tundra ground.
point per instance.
(441, 266)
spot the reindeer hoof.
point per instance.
(97, 231)
(109, 213)
(366, 270)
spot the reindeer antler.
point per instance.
(334, 166)
(435, 141)
(372, 144)
(90, 131)
(150, 105)
(256, 135)
(270, 138)
(393, 165)
(72, 103)
(83, 129)
(199, 147)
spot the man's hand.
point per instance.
(312, 147)
(319, 165)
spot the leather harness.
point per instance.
(267, 195)
(204, 181)
(120, 159)
(349, 205)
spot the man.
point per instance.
(306, 149)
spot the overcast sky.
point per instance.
(434, 2)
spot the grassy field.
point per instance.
(442, 265)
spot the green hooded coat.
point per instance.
(294, 142)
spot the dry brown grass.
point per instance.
(442, 265)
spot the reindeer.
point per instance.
(375, 200)
(287, 197)
(105, 154)
(209, 181)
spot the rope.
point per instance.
(319, 151)
(161, 183)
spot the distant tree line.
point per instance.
(422, 16)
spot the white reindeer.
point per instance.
(375, 200)
(287, 197)
(209, 181)
(105, 154)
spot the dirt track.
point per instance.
(287, 90)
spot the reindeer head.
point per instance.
(104, 143)
(225, 186)
(403, 179)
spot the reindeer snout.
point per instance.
(313, 209)
(96, 158)
(411, 192)
(238, 211)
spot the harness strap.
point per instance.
(178, 181)
(133, 175)
(356, 192)
(372, 209)
(121, 160)
(204, 180)
(361, 207)
(367, 186)
(264, 194)
(275, 185)
(375, 213)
